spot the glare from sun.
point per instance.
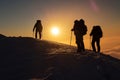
(55, 31)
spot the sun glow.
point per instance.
(55, 30)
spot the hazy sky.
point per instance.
(17, 17)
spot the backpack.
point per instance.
(97, 32)
(84, 29)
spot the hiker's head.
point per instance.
(82, 21)
(94, 27)
(76, 21)
(38, 20)
(98, 26)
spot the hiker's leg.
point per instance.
(78, 46)
(36, 34)
(93, 45)
(40, 35)
(98, 45)
(82, 45)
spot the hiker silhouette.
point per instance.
(96, 34)
(80, 29)
(38, 29)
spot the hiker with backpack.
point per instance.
(38, 29)
(96, 34)
(80, 29)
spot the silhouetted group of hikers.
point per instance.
(80, 29)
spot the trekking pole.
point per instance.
(71, 38)
(90, 43)
(33, 34)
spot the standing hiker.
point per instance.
(38, 29)
(80, 29)
(96, 34)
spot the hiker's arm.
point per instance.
(72, 29)
(34, 27)
(91, 33)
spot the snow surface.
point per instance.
(25, 58)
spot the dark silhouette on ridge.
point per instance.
(38, 29)
(25, 58)
(80, 29)
(96, 34)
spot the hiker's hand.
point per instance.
(72, 29)
(90, 34)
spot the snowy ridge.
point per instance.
(25, 58)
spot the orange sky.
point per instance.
(19, 17)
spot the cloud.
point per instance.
(115, 52)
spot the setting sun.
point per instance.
(55, 31)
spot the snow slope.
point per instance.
(25, 58)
